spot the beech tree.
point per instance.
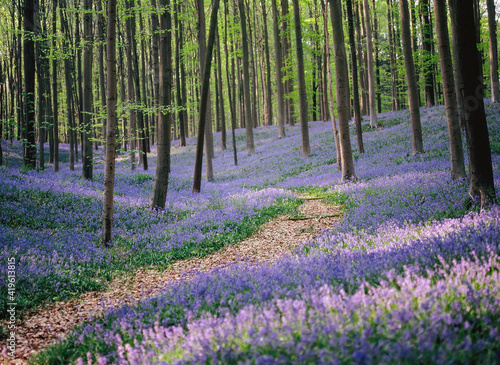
(413, 99)
(371, 70)
(29, 84)
(87, 156)
(109, 167)
(454, 133)
(160, 186)
(246, 79)
(207, 65)
(492, 31)
(481, 184)
(342, 82)
(306, 149)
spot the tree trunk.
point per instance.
(229, 88)
(155, 63)
(372, 92)
(87, 157)
(29, 79)
(481, 172)
(304, 126)
(221, 95)
(109, 167)
(417, 145)
(131, 90)
(207, 64)
(102, 85)
(41, 59)
(269, 100)
(246, 80)
(143, 144)
(459, 83)
(427, 54)
(180, 103)
(55, 103)
(492, 29)
(355, 91)
(342, 82)
(160, 187)
(279, 75)
(330, 85)
(202, 45)
(392, 56)
(68, 73)
(450, 99)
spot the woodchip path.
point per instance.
(273, 240)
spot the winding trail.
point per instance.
(273, 240)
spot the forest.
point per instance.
(249, 182)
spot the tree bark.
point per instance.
(330, 85)
(492, 29)
(229, 87)
(207, 64)
(160, 186)
(55, 102)
(269, 100)
(481, 184)
(111, 128)
(131, 91)
(342, 82)
(427, 54)
(279, 75)
(304, 126)
(372, 95)
(246, 80)
(29, 80)
(180, 102)
(355, 87)
(87, 158)
(417, 145)
(450, 99)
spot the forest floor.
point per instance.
(273, 240)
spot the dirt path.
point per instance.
(271, 241)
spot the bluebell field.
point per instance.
(410, 275)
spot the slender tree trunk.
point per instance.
(304, 126)
(481, 172)
(279, 74)
(180, 103)
(229, 87)
(246, 80)
(131, 91)
(372, 90)
(87, 157)
(459, 83)
(207, 64)
(143, 144)
(155, 62)
(202, 45)
(492, 29)
(160, 186)
(450, 99)
(101, 38)
(221, 95)
(417, 145)
(269, 100)
(376, 50)
(354, 63)
(427, 54)
(29, 80)
(184, 82)
(111, 96)
(41, 50)
(68, 73)
(392, 56)
(330, 85)
(55, 103)
(342, 82)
